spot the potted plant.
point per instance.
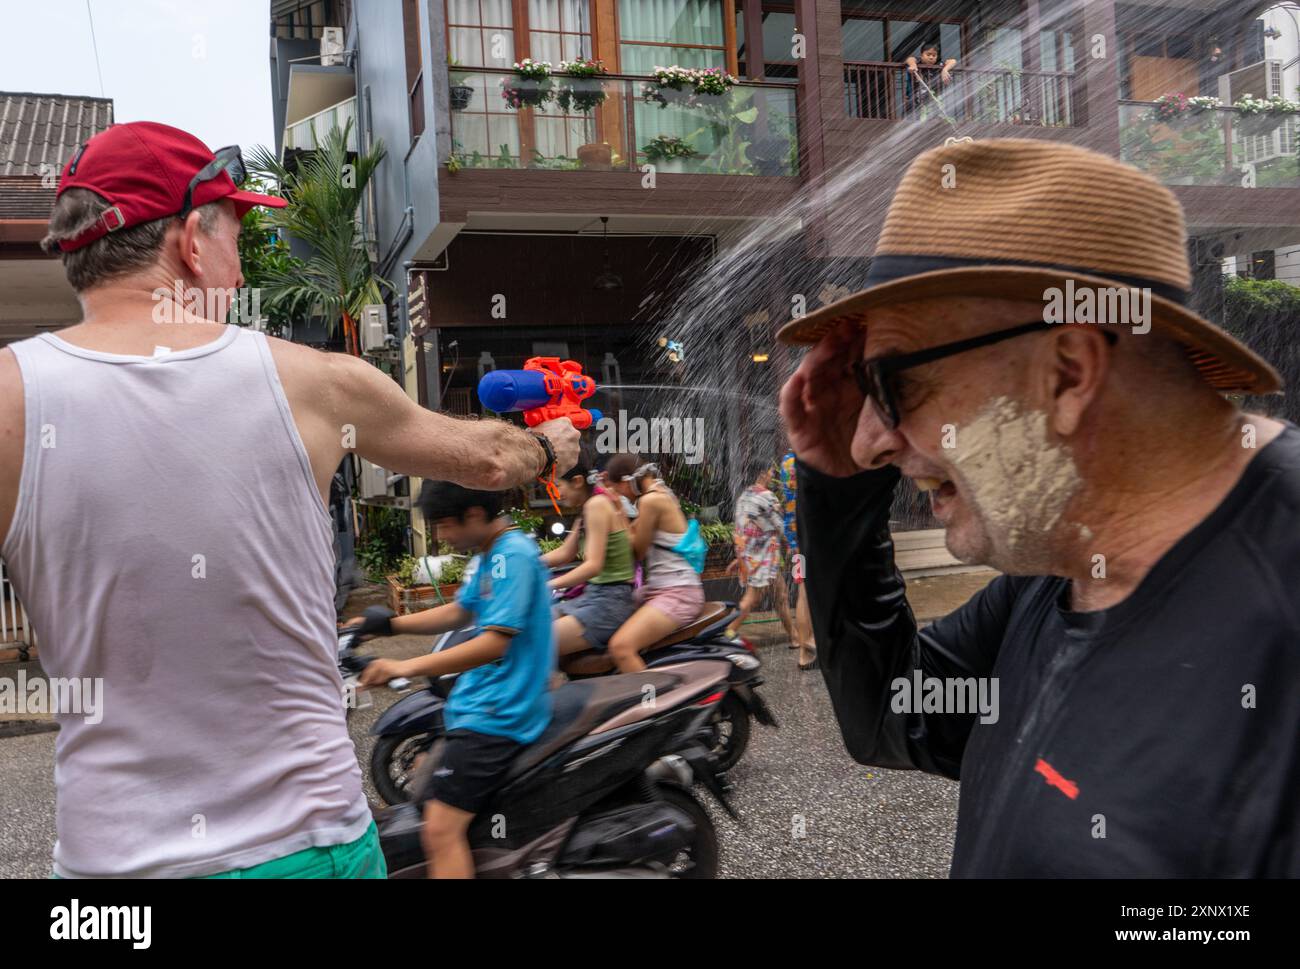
(458, 92)
(686, 85)
(1261, 116)
(596, 156)
(668, 153)
(584, 91)
(410, 589)
(721, 540)
(530, 87)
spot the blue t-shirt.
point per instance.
(507, 592)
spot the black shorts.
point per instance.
(473, 766)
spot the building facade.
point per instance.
(38, 134)
(622, 222)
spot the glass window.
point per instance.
(906, 38)
(559, 30)
(1006, 49)
(950, 41)
(480, 32)
(664, 32)
(864, 40)
(778, 29)
(671, 21)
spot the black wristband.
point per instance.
(377, 621)
(549, 451)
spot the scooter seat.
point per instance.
(709, 614)
(591, 662)
(578, 707)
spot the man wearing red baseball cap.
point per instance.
(162, 516)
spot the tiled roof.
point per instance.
(45, 129)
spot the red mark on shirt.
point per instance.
(1053, 777)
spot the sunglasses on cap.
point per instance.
(876, 378)
(229, 160)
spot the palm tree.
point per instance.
(325, 191)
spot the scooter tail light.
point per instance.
(711, 699)
(746, 643)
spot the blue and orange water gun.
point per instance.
(546, 389)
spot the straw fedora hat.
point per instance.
(1022, 216)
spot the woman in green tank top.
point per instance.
(601, 539)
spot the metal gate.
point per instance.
(15, 627)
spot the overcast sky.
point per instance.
(197, 65)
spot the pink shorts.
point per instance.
(681, 603)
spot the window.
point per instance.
(414, 65)
(306, 19)
(559, 30)
(657, 33)
(480, 33)
(483, 33)
(778, 41)
(877, 39)
(1262, 265)
(864, 40)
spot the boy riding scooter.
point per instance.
(500, 704)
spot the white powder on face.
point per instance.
(1017, 481)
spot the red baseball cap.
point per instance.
(145, 171)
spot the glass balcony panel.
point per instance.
(1211, 147)
(623, 122)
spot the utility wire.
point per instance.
(95, 45)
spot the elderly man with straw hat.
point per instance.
(1123, 699)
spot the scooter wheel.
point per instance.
(728, 733)
(392, 765)
(700, 858)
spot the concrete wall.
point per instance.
(408, 177)
(283, 53)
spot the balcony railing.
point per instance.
(1216, 146)
(889, 92)
(309, 133)
(619, 123)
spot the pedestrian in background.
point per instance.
(803, 639)
(759, 533)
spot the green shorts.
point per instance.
(357, 859)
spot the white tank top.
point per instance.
(664, 568)
(170, 540)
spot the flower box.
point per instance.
(405, 600)
(460, 95)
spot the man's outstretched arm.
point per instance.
(342, 403)
(865, 632)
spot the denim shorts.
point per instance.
(601, 609)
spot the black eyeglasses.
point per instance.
(229, 160)
(876, 377)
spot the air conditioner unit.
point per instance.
(372, 480)
(1263, 79)
(374, 327)
(331, 46)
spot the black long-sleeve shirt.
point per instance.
(1169, 723)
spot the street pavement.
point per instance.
(807, 810)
